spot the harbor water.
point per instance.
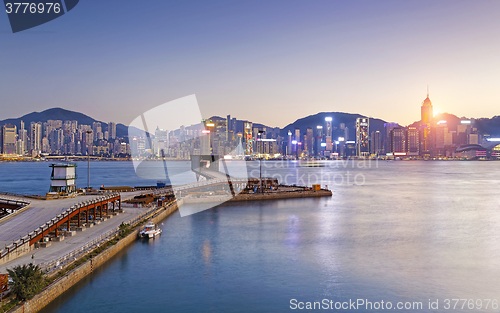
(399, 232)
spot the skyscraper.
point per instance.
(309, 141)
(398, 140)
(328, 133)
(205, 142)
(97, 130)
(22, 140)
(36, 137)
(298, 150)
(362, 131)
(161, 142)
(289, 144)
(426, 112)
(388, 127)
(413, 141)
(376, 143)
(319, 139)
(9, 139)
(247, 128)
(112, 130)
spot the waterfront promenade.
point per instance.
(41, 211)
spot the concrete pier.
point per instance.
(41, 211)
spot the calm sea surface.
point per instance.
(406, 231)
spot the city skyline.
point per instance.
(414, 112)
(373, 58)
(330, 136)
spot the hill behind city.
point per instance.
(64, 115)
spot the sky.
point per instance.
(270, 62)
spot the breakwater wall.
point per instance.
(62, 284)
(261, 196)
(282, 195)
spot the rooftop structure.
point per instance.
(63, 178)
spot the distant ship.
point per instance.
(314, 163)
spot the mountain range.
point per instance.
(348, 119)
(489, 126)
(64, 115)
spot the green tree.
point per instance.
(124, 230)
(27, 281)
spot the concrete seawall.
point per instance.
(282, 195)
(71, 278)
(20, 251)
(261, 196)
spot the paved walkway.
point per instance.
(41, 211)
(38, 213)
(60, 249)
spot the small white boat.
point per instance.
(150, 231)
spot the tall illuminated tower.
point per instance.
(289, 144)
(425, 122)
(362, 131)
(319, 139)
(309, 141)
(328, 133)
(247, 128)
(36, 137)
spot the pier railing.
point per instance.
(19, 195)
(21, 204)
(94, 244)
(27, 238)
(11, 194)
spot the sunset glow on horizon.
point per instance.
(249, 58)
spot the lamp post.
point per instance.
(88, 160)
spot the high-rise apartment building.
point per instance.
(9, 133)
(36, 137)
(112, 130)
(22, 140)
(97, 130)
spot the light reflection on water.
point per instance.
(413, 231)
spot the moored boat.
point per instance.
(151, 230)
